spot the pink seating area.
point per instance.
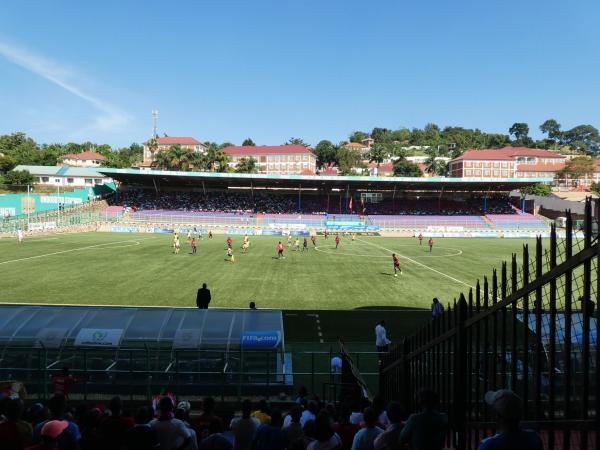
(522, 221)
(423, 222)
(114, 210)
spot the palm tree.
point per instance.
(163, 160)
(180, 157)
(434, 165)
(377, 154)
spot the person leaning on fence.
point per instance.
(437, 309)
(508, 407)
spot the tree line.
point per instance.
(396, 144)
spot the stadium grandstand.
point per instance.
(437, 205)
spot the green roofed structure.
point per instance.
(143, 350)
(165, 178)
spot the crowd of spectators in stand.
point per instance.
(309, 424)
(261, 202)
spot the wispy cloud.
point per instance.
(109, 118)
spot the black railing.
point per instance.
(533, 329)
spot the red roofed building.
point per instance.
(163, 143)
(507, 162)
(284, 159)
(83, 159)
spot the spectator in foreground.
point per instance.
(437, 309)
(294, 430)
(51, 434)
(171, 432)
(425, 430)
(244, 428)
(262, 413)
(69, 437)
(365, 438)
(310, 413)
(271, 436)
(141, 436)
(113, 428)
(207, 419)
(390, 438)
(15, 433)
(203, 297)
(325, 437)
(215, 440)
(345, 429)
(508, 407)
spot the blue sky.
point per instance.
(315, 69)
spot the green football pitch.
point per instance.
(141, 269)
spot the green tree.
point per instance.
(595, 187)
(519, 130)
(380, 135)
(404, 168)
(358, 136)
(296, 141)
(347, 161)
(325, 152)
(434, 165)
(378, 153)
(246, 165)
(248, 142)
(551, 128)
(7, 163)
(582, 137)
(578, 167)
(18, 177)
(152, 146)
(539, 189)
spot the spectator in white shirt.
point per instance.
(310, 413)
(172, 433)
(381, 341)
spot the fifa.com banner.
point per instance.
(99, 337)
(260, 339)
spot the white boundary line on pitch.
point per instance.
(137, 242)
(418, 263)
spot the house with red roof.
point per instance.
(507, 162)
(83, 159)
(164, 142)
(283, 159)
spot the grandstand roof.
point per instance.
(63, 171)
(266, 149)
(164, 178)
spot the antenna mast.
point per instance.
(154, 120)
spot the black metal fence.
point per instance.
(531, 328)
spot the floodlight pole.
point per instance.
(28, 207)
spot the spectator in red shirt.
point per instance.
(203, 422)
(15, 433)
(345, 429)
(113, 429)
(64, 381)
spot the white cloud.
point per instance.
(110, 118)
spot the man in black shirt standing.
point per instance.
(203, 297)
